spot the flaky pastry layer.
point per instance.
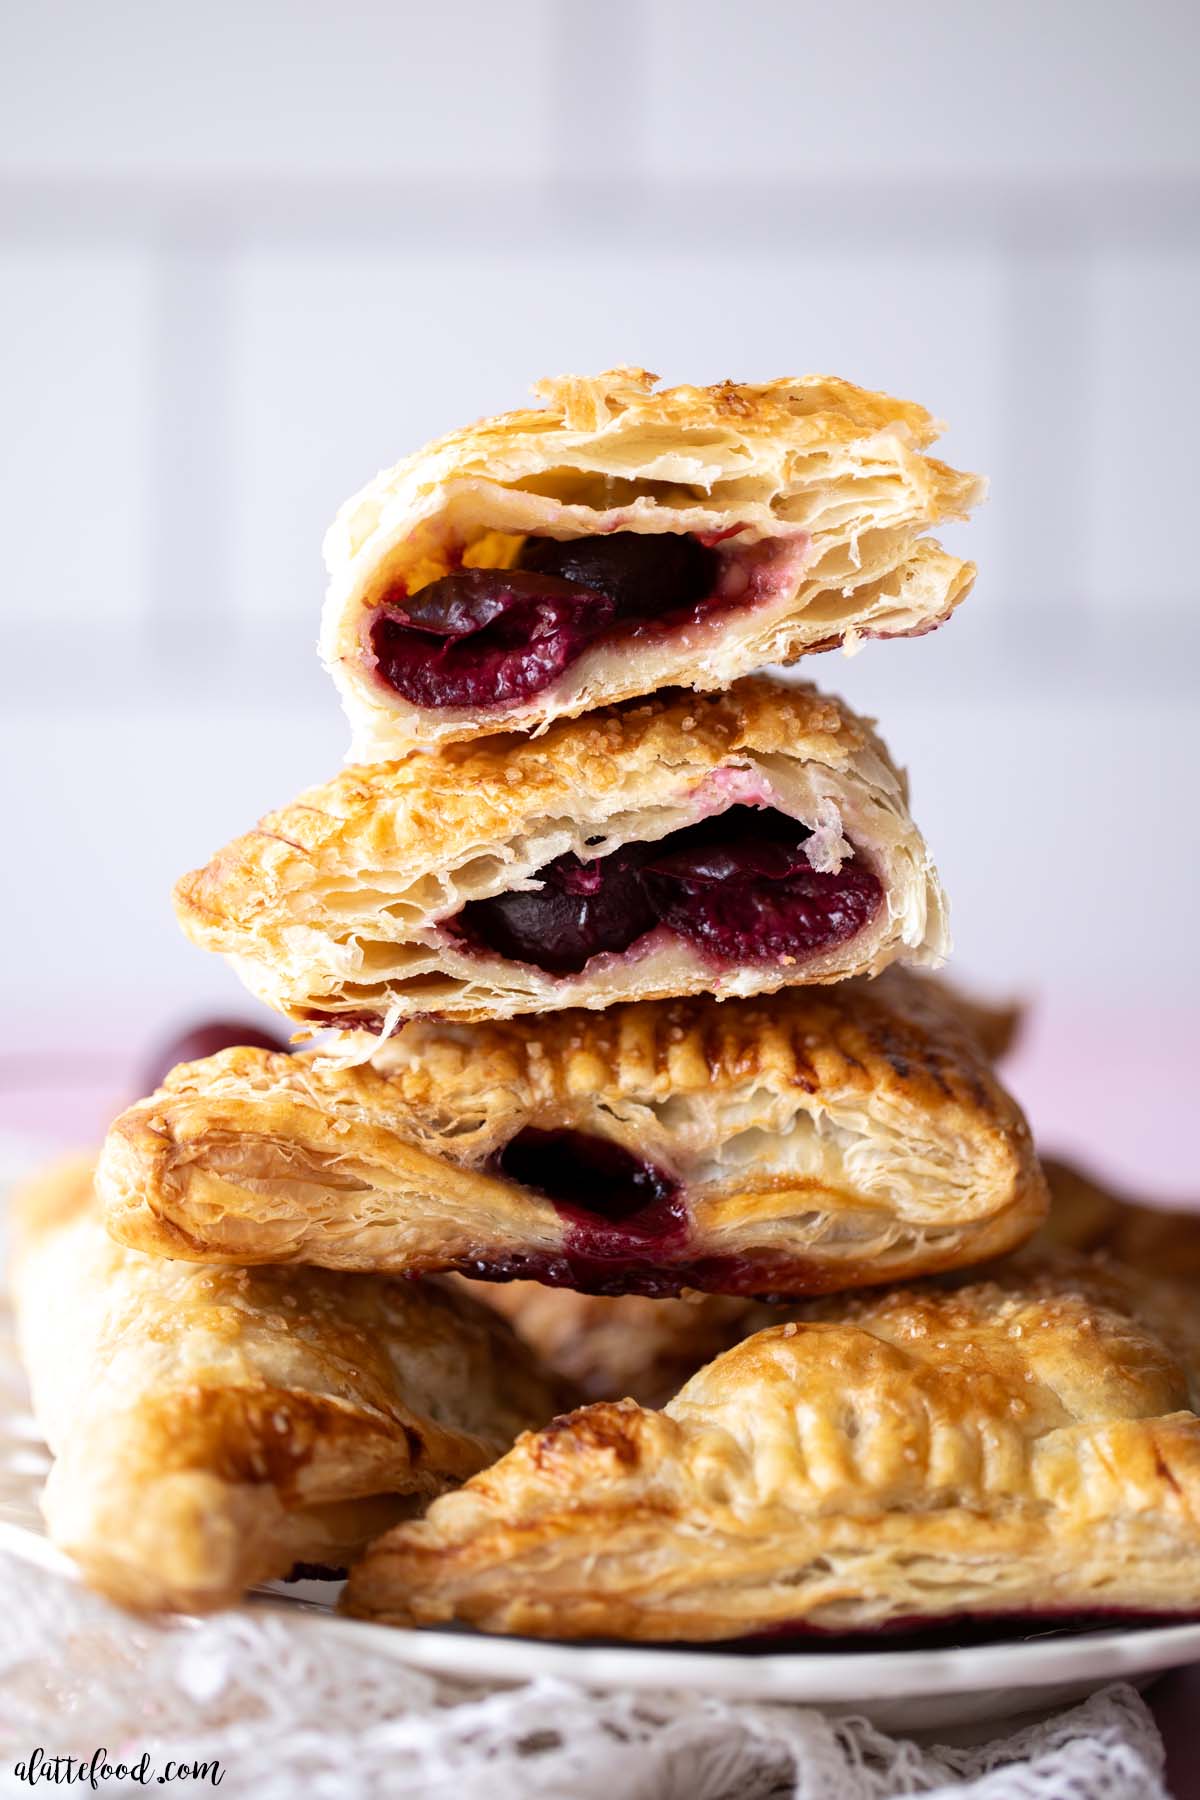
(214, 1427)
(839, 477)
(818, 1138)
(334, 910)
(1024, 1446)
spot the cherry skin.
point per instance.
(585, 1173)
(581, 910)
(646, 575)
(625, 1218)
(485, 637)
(496, 637)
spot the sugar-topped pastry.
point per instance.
(731, 844)
(1021, 1448)
(816, 1139)
(216, 1427)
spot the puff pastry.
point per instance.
(626, 1346)
(1024, 1446)
(813, 1140)
(729, 844)
(213, 1428)
(798, 510)
(1085, 1215)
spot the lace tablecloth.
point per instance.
(262, 1696)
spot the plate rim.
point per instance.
(816, 1676)
(853, 1678)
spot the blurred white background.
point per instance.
(250, 253)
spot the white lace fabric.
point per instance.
(289, 1716)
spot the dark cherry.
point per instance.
(585, 1173)
(582, 910)
(485, 637)
(744, 841)
(646, 575)
(738, 886)
(627, 1225)
(743, 898)
(198, 1041)
(495, 637)
(625, 1218)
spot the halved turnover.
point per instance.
(817, 1139)
(1023, 1448)
(215, 1427)
(620, 541)
(730, 844)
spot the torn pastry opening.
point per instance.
(740, 887)
(497, 621)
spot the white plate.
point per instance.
(915, 1689)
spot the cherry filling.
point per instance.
(588, 1175)
(624, 1216)
(648, 577)
(581, 910)
(627, 1227)
(494, 637)
(738, 886)
(485, 637)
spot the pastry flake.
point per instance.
(619, 541)
(217, 1427)
(731, 844)
(816, 1139)
(1019, 1448)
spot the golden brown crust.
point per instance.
(613, 1348)
(212, 1427)
(1022, 1446)
(837, 477)
(333, 908)
(820, 1138)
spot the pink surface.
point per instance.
(1114, 1090)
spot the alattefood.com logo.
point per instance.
(93, 1771)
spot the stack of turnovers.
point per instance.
(607, 928)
